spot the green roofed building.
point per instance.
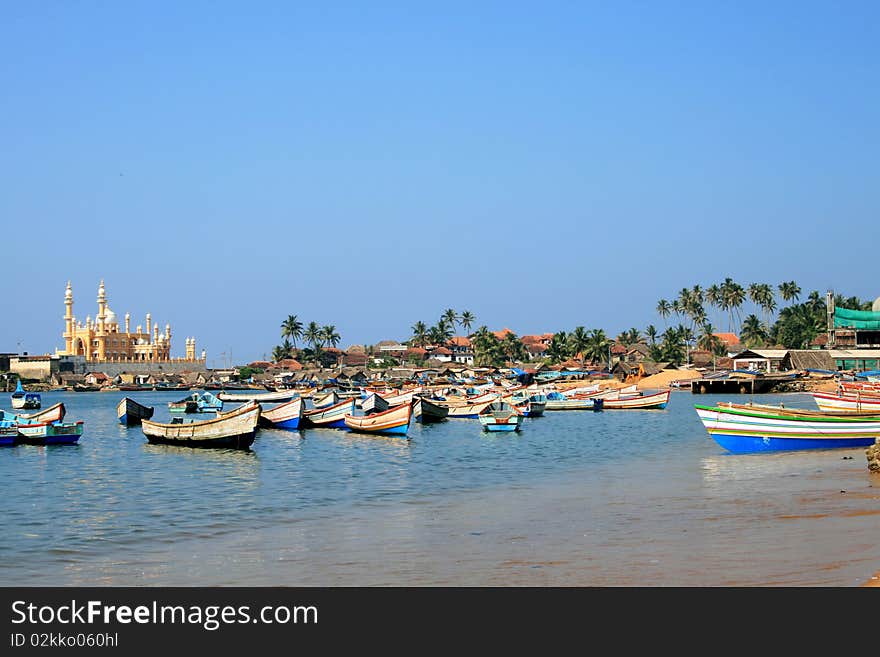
(853, 329)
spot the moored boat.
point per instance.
(395, 421)
(560, 402)
(283, 416)
(261, 397)
(131, 412)
(8, 434)
(329, 417)
(203, 402)
(55, 413)
(426, 410)
(236, 428)
(50, 433)
(847, 401)
(742, 429)
(657, 400)
(500, 416)
(22, 399)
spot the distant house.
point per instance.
(462, 350)
(638, 352)
(503, 333)
(96, 378)
(536, 350)
(441, 354)
(764, 360)
(807, 359)
(288, 364)
(729, 340)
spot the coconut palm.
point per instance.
(467, 320)
(789, 291)
(558, 349)
(597, 346)
(664, 309)
(451, 317)
(330, 336)
(419, 334)
(314, 336)
(709, 341)
(279, 353)
(578, 341)
(753, 333)
(513, 348)
(714, 296)
(292, 328)
(651, 333)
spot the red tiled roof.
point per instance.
(532, 339)
(727, 338)
(288, 364)
(502, 333)
(259, 364)
(535, 348)
(415, 351)
(443, 351)
(460, 341)
(618, 349)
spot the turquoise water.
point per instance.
(327, 507)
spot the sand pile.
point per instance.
(665, 378)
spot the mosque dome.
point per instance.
(110, 317)
(876, 306)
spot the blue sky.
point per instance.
(543, 165)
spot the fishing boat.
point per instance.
(284, 416)
(557, 401)
(501, 416)
(530, 404)
(50, 433)
(236, 428)
(198, 402)
(22, 399)
(657, 400)
(131, 412)
(374, 403)
(329, 417)
(743, 428)
(279, 397)
(396, 400)
(847, 401)
(8, 434)
(395, 421)
(55, 413)
(426, 410)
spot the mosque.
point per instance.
(105, 340)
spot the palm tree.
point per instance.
(279, 353)
(578, 341)
(513, 347)
(558, 349)
(733, 295)
(753, 333)
(714, 296)
(292, 328)
(419, 334)
(330, 336)
(664, 309)
(709, 341)
(789, 291)
(451, 317)
(313, 335)
(440, 333)
(466, 320)
(651, 333)
(597, 346)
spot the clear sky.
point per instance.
(543, 165)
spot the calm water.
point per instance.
(577, 498)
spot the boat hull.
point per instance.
(426, 412)
(393, 422)
(237, 441)
(48, 433)
(329, 417)
(236, 429)
(131, 413)
(285, 416)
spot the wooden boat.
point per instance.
(203, 402)
(283, 416)
(470, 411)
(530, 404)
(82, 387)
(55, 413)
(50, 433)
(395, 421)
(279, 397)
(325, 399)
(135, 388)
(655, 400)
(427, 410)
(131, 412)
(744, 429)
(559, 402)
(22, 399)
(396, 400)
(846, 402)
(329, 417)
(8, 434)
(236, 428)
(374, 403)
(501, 416)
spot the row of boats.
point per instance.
(385, 412)
(849, 418)
(46, 427)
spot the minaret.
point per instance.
(101, 327)
(149, 324)
(127, 322)
(167, 341)
(69, 322)
(156, 334)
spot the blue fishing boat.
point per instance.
(283, 416)
(22, 399)
(50, 433)
(329, 417)
(501, 416)
(198, 402)
(8, 433)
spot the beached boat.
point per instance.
(426, 410)
(501, 416)
(847, 401)
(198, 402)
(236, 428)
(395, 421)
(22, 399)
(50, 433)
(329, 417)
(55, 413)
(283, 416)
(742, 429)
(131, 412)
(261, 397)
(657, 400)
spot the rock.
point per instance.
(873, 454)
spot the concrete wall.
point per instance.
(111, 369)
(43, 367)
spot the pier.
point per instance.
(742, 386)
